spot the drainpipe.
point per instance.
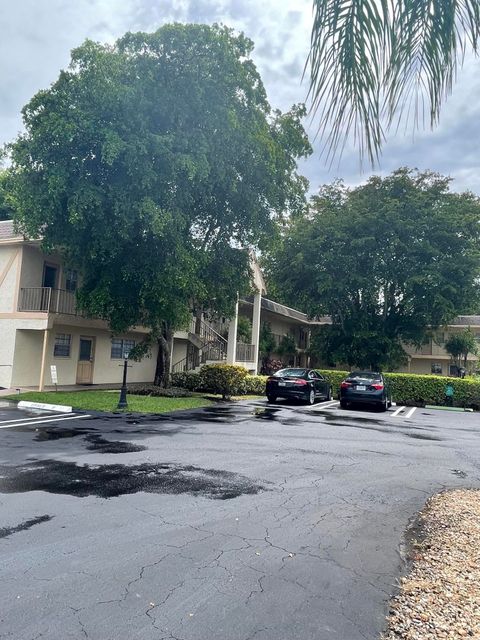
(42, 363)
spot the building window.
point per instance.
(63, 342)
(71, 280)
(437, 368)
(120, 347)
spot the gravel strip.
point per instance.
(440, 598)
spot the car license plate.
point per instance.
(361, 387)
(282, 384)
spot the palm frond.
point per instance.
(347, 62)
(374, 60)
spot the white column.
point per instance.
(232, 337)
(42, 363)
(257, 310)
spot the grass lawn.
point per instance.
(107, 401)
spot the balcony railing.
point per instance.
(245, 352)
(47, 300)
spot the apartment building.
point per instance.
(41, 328)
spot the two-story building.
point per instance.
(40, 327)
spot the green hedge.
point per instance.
(414, 389)
(406, 388)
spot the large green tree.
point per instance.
(388, 261)
(152, 165)
(373, 62)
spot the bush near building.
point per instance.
(407, 388)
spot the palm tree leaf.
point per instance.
(374, 60)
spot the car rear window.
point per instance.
(364, 375)
(290, 373)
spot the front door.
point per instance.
(85, 361)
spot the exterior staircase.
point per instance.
(206, 347)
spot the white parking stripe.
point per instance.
(34, 418)
(35, 423)
(323, 405)
(397, 411)
(410, 413)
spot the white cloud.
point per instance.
(37, 38)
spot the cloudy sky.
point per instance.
(37, 36)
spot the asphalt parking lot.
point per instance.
(230, 523)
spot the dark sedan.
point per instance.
(300, 384)
(365, 387)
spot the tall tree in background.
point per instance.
(6, 203)
(459, 345)
(148, 163)
(372, 62)
(388, 261)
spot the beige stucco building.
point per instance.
(40, 327)
(432, 356)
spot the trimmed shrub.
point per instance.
(419, 390)
(152, 390)
(254, 385)
(226, 379)
(187, 380)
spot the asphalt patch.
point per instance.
(28, 524)
(51, 433)
(108, 481)
(99, 444)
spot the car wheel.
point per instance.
(271, 398)
(311, 397)
(343, 404)
(384, 405)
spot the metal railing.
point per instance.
(47, 300)
(214, 347)
(245, 352)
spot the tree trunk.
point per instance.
(162, 370)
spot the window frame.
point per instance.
(62, 344)
(131, 342)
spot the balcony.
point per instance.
(47, 300)
(245, 352)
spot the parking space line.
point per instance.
(397, 411)
(410, 413)
(34, 418)
(323, 405)
(34, 423)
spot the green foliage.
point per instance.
(187, 380)
(266, 343)
(382, 261)
(460, 344)
(244, 384)
(226, 379)
(7, 208)
(148, 163)
(156, 391)
(419, 390)
(374, 62)
(287, 346)
(244, 330)
(254, 385)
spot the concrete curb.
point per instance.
(61, 408)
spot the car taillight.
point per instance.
(299, 381)
(271, 379)
(345, 384)
(377, 387)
